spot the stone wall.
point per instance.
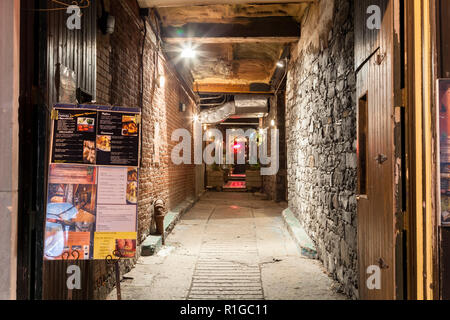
(275, 186)
(321, 137)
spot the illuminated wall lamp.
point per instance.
(161, 81)
(280, 64)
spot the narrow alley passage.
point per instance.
(229, 246)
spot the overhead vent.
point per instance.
(243, 106)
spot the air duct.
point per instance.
(243, 106)
(218, 114)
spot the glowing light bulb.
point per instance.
(188, 52)
(162, 81)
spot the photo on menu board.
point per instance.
(444, 140)
(71, 211)
(132, 185)
(129, 125)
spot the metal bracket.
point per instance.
(379, 59)
(381, 158)
(382, 264)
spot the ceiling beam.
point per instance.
(248, 30)
(225, 88)
(205, 40)
(183, 3)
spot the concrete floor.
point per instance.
(229, 246)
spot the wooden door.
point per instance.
(375, 104)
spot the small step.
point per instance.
(299, 235)
(153, 243)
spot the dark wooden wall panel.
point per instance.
(366, 41)
(75, 49)
(376, 242)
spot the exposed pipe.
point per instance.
(216, 104)
(238, 124)
(286, 60)
(212, 98)
(210, 104)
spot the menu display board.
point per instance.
(117, 138)
(74, 137)
(99, 137)
(443, 104)
(93, 184)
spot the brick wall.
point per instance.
(119, 83)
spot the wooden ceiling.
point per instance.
(236, 44)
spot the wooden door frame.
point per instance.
(420, 75)
(411, 150)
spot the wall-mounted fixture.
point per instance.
(107, 22)
(161, 81)
(182, 107)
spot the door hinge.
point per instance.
(381, 158)
(382, 264)
(379, 58)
